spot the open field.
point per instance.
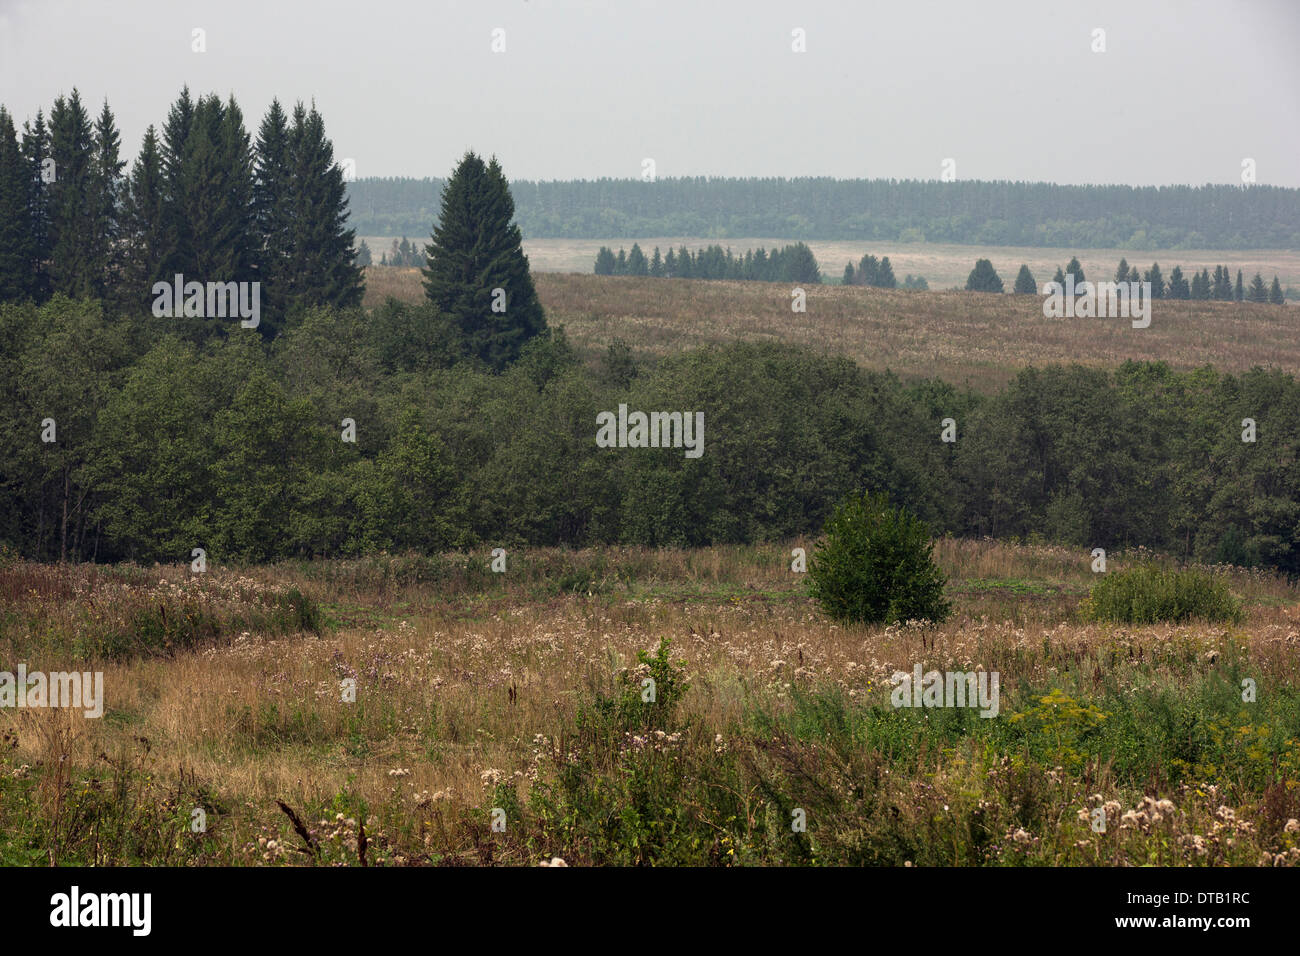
(944, 265)
(522, 692)
(963, 338)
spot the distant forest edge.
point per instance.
(976, 213)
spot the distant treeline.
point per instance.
(978, 213)
(119, 439)
(794, 263)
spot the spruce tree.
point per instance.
(1157, 281)
(1025, 284)
(1077, 269)
(605, 261)
(1059, 278)
(1258, 291)
(106, 197)
(17, 239)
(1275, 296)
(363, 255)
(984, 278)
(72, 148)
(145, 223)
(1121, 272)
(36, 152)
(476, 265)
(1178, 284)
(271, 213)
(1240, 291)
(636, 262)
(321, 266)
(656, 264)
(670, 263)
(175, 135)
(868, 270)
(885, 274)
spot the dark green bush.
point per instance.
(1147, 593)
(876, 565)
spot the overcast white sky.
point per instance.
(1010, 90)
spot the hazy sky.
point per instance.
(1009, 90)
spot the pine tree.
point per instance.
(1178, 284)
(983, 278)
(1025, 284)
(72, 148)
(477, 248)
(1258, 291)
(17, 239)
(145, 223)
(1275, 296)
(1121, 272)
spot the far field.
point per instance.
(944, 265)
(963, 338)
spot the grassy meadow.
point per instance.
(963, 338)
(522, 693)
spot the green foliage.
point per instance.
(983, 278)
(477, 272)
(876, 565)
(1147, 594)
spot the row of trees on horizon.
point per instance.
(966, 212)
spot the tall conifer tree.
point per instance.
(477, 249)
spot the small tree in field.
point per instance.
(983, 278)
(876, 565)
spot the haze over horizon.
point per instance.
(1010, 91)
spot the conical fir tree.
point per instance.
(477, 272)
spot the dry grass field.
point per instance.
(521, 692)
(963, 338)
(944, 265)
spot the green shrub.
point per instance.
(876, 565)
(1147, 593)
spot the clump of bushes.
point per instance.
(876, 565)
(1147, 594)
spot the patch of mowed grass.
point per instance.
(1149, 594)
